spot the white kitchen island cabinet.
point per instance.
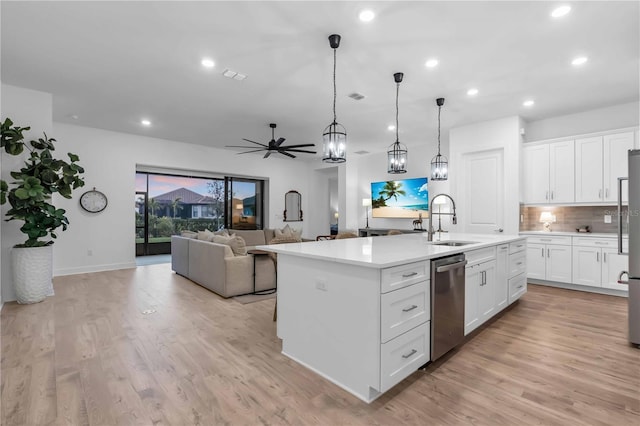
(358, 311)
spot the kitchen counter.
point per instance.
(572, 234)
(358, 311)
(387, 251)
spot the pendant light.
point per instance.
(335, 136)
(439, 164)
(397, 154)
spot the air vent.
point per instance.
(234, 75)
(362, 152)
(356, 96)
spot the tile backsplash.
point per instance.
(571, 217)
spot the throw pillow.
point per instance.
(285, 240)
(237, 244)
(205, 235)
(223, 232)
(288, 232)
(189, 234)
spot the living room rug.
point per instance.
(250, 298)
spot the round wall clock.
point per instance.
(93, 201)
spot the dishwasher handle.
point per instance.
(445, 268)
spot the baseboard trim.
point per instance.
(586, 288)
(94, 268)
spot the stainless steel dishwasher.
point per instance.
(447, 304)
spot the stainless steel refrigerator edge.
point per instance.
(447, 304)
(634, 245)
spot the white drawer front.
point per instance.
(549, 240)
(600, 242)
(403, 309)
(517, 264)
(517, 246)
(403, 355)
(481, 255)
(404, 275)
(517, 287)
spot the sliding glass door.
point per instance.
(166, 205)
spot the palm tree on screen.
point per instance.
(391, 189)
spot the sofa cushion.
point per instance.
(236, 243)
(252, 237)
(189, 234)
(205, 235)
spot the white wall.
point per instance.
(373, 168)
(25, 108)
(496, 134)
(110, 160)
(608, 118)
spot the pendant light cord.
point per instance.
(397, 92)
(334, 86)
(439, 108)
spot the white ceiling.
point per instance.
(113, 63)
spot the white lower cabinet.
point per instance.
(586, 266)
(517, 287)
(480, 285)
(503, 267)
(403, 355)
(549, 258)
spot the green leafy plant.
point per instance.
(42, 175)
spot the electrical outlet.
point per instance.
(89, 252)
(521, 218)
(607, 218)
(322, 285)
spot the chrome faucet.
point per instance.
(454, 219)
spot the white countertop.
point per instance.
(572, 234)
(386, 251)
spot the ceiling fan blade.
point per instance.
(287, 154)
(299, 146)
(301, 150)
(279, 142)
(240, 146)
(257, 143)
(267, 154)
(247, 152)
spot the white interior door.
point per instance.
(484, 191)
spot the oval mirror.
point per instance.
(292, 207)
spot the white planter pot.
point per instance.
(32, 273)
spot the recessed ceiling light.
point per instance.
(431, 63)
(391, 127)
(559, 12)
(145, 122)
(472, 92)
(208, 63)
(528, 103)
(367, 15)
(579, 61)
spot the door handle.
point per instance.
(552, 195)
(597, 256)
(604, 257)
(606, 193)
(620, 180)
(548, 252)
(542, 252)
(546, 195)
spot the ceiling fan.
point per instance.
(274, 146)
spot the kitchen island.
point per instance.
(358, 311)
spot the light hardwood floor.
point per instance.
(89, 356)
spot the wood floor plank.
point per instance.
(91, 356)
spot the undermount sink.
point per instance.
(452, 243)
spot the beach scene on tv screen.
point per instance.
(406, 198)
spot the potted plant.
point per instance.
(29, 196)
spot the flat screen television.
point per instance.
(405, 198)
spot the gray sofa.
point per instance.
(215, 267)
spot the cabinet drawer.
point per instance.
(403, 355)
(600, 242)
(404, 309)
(517, 263)
(517, 246)
(481, 255)
(404, 275)
(549, 240)
(517, 287)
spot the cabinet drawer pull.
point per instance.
(410, 308)
(518, 263)
(545, 239)
(410, 354)
(411, 274)
(505, 247)
(520, 245)
(520, 286)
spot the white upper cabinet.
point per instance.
(536, 174)
(589, 170)
(549, 173)
(615, 163)
(561, 172)
(600, 161)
